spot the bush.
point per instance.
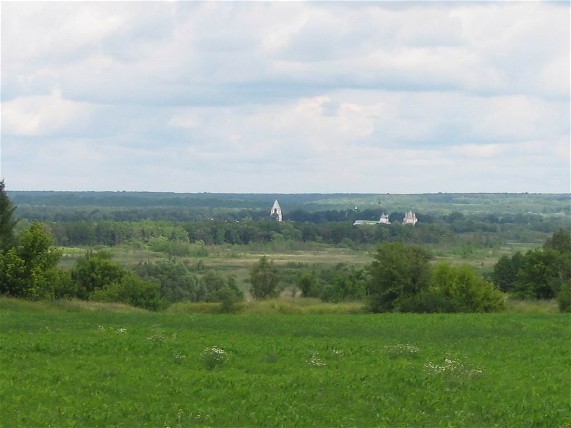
(456, 289)
(309, 284)
(133, 291)
(347, 284)
(265, 279)
(95, 270)
(177, 282)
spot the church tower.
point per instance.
(276, 211)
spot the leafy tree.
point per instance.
(95, 270)
(459, 289)
(29, 269)
(560, 241)
(397, 273)
(310, 284)
(265, 279)
(349, 283)
(176, 281)
(7, 223)
(539, 278)
(506, 270)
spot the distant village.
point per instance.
(409, 217)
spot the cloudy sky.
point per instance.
(286, 97)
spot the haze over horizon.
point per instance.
(286, 97)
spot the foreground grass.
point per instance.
(72, 366)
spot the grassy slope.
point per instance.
(73, 367)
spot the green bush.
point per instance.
(177, 282)
(27, 269)
(133, 291)
(95, 270)
(265, 279)
(398, 273)
(464, 289)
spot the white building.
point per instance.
(276, 211)
(383, 220)
(410, 218)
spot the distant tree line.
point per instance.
(112, 233)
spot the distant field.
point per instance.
(238, 260)
(68, 367)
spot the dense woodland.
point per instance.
(403, 275)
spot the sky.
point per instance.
(286, 97)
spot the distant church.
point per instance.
(410, 218)
(383, 220)
(276, 211)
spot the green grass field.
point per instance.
(65, 365)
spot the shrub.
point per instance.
(309, 284)
(265, 279)
(456, 289)
(94, 271)
(177, 282)
(133, 291)
(213, 357)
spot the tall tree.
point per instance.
(7, 223)
(398, 273)
(30, 269)
(265, 279)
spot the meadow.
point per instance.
(65, 364)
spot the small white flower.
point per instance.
(316, 361)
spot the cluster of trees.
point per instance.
(403, 280)
(341, 283)
(542, 273)
(29, 269)
(157, 233)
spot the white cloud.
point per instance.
(334, 96)
(42, 115)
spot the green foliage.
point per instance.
(564, 297)
(95, 270)
(456, 289)
(398, 273)
(29, 269)
(265, 279)
(348, 283)
(131, 290)
(506, 271)
(539, 274)
(177, 282)
(560, 241)
(538, 279)
(310, 284)
(218, 288)
(7, 223)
